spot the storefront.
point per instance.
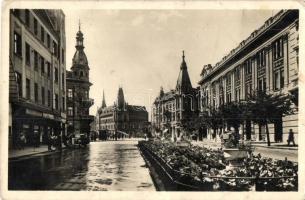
(37, 126)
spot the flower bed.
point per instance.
(193, 165)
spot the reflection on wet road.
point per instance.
(104, 166)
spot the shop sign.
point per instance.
(33, 112)
(49, 116)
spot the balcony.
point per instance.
(88, 102)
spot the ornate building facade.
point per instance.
(78, 87)
(170, 108)
(267, 60)
(37, 85)
(122, 118)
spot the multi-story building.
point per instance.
(170, 108)
(78, 86)
(37, 74)
(268, 61)
(122, 118)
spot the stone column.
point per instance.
(254, 73)
(270, 69)
(232, 86)
(242, 81)
(225, 89)
(286, 60)
(267, 65)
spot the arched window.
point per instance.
(75, 73)
(81, 74)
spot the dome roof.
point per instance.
(80, 58)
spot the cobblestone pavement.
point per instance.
(103, 166)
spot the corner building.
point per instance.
(37, 72)
(267, 60)
(78, 87)
(169, 108)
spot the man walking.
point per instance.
(290, 137)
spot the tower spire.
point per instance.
(103, 102)
(79, 24)
(183, 56)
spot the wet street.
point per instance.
(103, 166)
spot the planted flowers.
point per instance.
(196, 165)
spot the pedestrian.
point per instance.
(49, 141)
(290, 137)
(22, 140)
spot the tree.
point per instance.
(189, 124)
(268, 108)
(232, 113)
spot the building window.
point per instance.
(86, 94)
(42, 96)
(42, 34)
(56, 74)
(70, 93)
(63, 103)
(35, 26)
(19, 83)
(56, 101)
(28, 88)
(70, 111)
(36, 60)
(55, 49)
(261, 58)
(27, 54)
(248, 67)
(27, 17)
(36, 92)
(278, 79)
(17, 44)
(48, 41)
(42, 65)
(262, 84)
(81, 74)
(63, 80)
(277, 49)
(62, 55)
(49, 98)
(49, 69)
(248, 88)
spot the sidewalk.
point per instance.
(278, 151)
(209, 143)
(27, 151)
(274, 145)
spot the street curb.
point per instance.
(28, 156)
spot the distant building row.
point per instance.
(121, 119)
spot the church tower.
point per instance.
(80, 67)
(78, 87)
(184, 85)
(120, 100)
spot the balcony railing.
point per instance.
(87, 102)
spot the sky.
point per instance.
(140, 50)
